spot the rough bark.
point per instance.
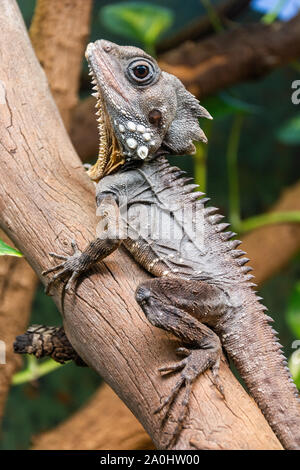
(58, 33)
(58, 52)
(41, 194)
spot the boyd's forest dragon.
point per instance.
(202, 291)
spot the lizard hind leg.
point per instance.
(202, 347)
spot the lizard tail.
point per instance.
(253, 346)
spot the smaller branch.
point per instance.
(244, 53)
(93, 427)
(202, 27)
(58, 33)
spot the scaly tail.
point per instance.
(252, 344)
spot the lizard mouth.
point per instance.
(110, 155)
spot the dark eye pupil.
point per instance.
(141, 71)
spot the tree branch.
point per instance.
(94, 427)
(48, 32)
(201, 27)
(58, 33)
(244, 53)
(42, 192)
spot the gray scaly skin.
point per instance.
(202, 291)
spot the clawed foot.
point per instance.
(194, 363)
(70, 269)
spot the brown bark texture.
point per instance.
(41, 195)
(18, 280)
(58, 33)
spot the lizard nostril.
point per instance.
(107, 48)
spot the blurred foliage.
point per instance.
(263, 160)
(139, 21)
(226, 104)
(293, 311)
(289, 133)
(8, 250)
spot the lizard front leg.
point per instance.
(179, 306)
(109, 239)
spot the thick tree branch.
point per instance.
(42, 192)
(57, 52)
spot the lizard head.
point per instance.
(141, 110)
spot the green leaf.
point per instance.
(293, 310)
(137, 20)
(8, 250)
(289, 133)
(225, 104)
(294, 366)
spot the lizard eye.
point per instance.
(141, 72)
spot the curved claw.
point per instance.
(54, 268)
(67, 269)
(75, 246)
(172, 367)
(56, 255)
(71, 281)
(56, 276)
(170, 398)
(183, 352)
(182, 415)
(196, 361)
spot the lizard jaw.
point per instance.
(110, 156)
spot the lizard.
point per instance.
(201, 291)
